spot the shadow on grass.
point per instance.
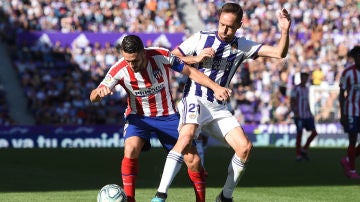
(83, 169)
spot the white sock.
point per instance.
(235, 170)
(172, 166)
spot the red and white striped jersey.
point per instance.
(301, 96)
(350, 82)
(149, 91)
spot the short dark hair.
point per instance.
(132, 44)
(232, 8)
(354, 51)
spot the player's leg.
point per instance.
(353, 129)
(200, 147)
(175, 159)
(351, 151)
(189, 113)
(309, 124)
(130, 165)
(357, 152)
(299, 130)
(238, 140)
(196, 173)
(136, 139)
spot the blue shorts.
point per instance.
(164, 128)
(307, 124)
(353, 124)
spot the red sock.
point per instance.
(351, 155)
(357, 152)
(308, 141)
(129, 171)
(198, 181)
(298, 144)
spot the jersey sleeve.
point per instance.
(108, 81)
(250, 48)
(188, 47)
(112, 76)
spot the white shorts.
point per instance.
(215, 119)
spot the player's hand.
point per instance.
(284, 19)
(99, 93)
(206, 53)
(222, 93)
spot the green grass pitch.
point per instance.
(78, 174)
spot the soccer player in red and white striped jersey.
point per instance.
(303, 118)
(349, 99)
(145, 75)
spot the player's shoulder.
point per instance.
(349, 69)
(155, 51)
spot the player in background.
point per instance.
(145, 75)
(303, 118)
(349, 99)
(218, 54)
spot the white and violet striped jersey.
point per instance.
(222, 67)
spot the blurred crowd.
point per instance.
(57, 81)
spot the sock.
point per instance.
(198, 182)
(235, 170)
(357, 152)
(298, 144)
(351, 155)
(310, 139)
(129, 171)
(172, 166)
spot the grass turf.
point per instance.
(77, 175)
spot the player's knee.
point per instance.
(132, 151)
(243, 151)
(193, 161)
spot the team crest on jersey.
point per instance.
(234, 47)
(157, 73)
(192, 116)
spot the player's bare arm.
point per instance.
(279, 51)
(205, 53)
(221, 93)
(99, 93)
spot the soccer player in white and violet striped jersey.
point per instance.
(349, 99)
(145, 75)
(218, 54)
(303, 118)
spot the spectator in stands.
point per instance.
(338, 20)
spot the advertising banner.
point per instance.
(167, 40)
(18, 137)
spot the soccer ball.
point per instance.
(111, 193)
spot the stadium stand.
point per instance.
(56, 80)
